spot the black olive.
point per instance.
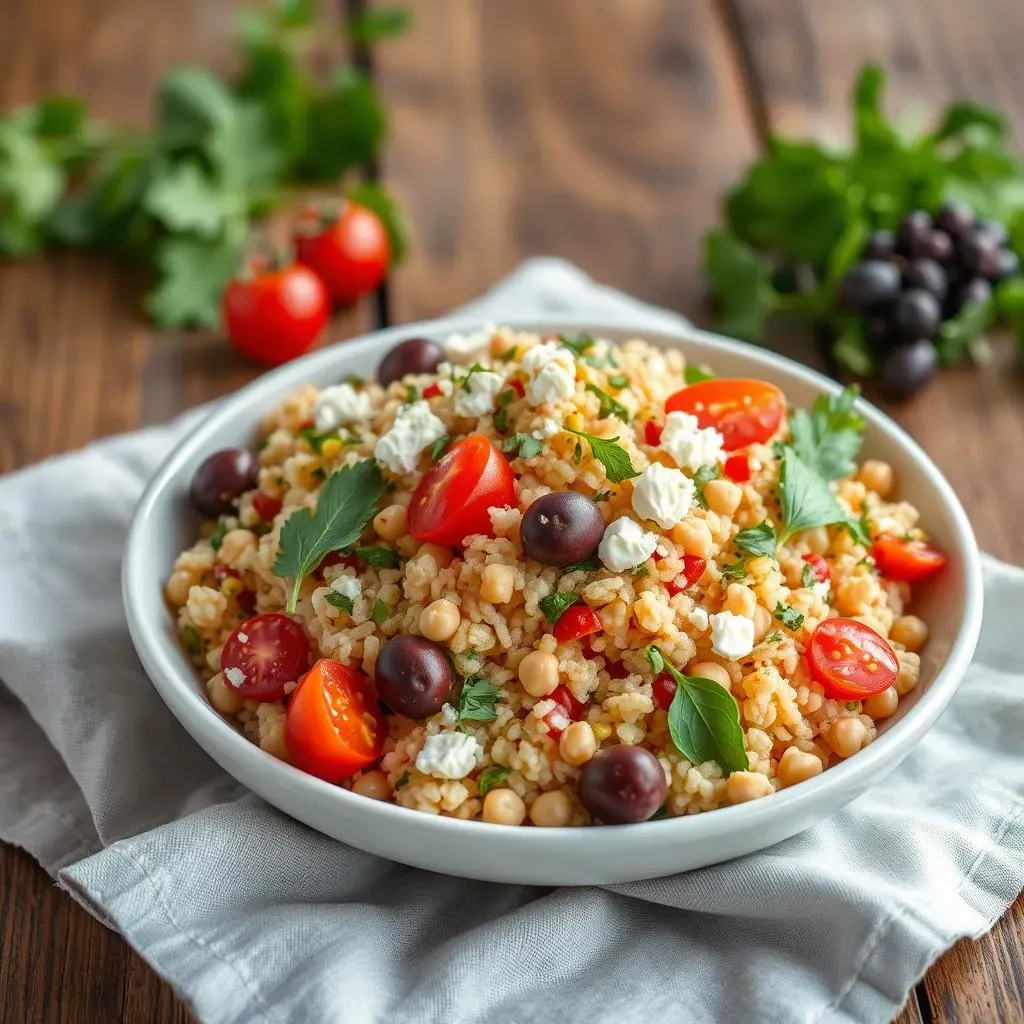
(880, 246)
(414, 676)
(927, 274)
(222, 479)
(417, 355)
(914, 227)
(561, 528)
(622, 785)
(917, 314)
(956, 219)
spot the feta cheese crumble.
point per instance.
(340, 406)
(235, 676)
(698, 618)
(663, 495)
(347, 586)
(551, 373)
(415, 428)
(732, 636)
(477, 394)
(625, 545)
(547, 428)
(690, 445)
(466, 349)
(448, 755)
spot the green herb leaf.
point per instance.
(348, 501)
(695, 374)
(403, 780)
(525, 446)
(609, 406)
(509, 356)
(805, 498)
(379, 556)
(740, 280)
(660, 813)
(758, 540)
(345, 124)
(342, 601)
(602, 495)
(378, 23)
(616, 461)
(773, 638)
(700, 480)
(477, 700)
(577, 453)
(807, 576)
(381, 612)
(579, 345)
(589, 564)
(789, 617)
(191, 638)
(184, 199)
(554, 606)
(490, 777)
(316, 440)
(735, 571)
(828, 438)
(640, 572)
(958, 334)
(440, 446)
(619, 381)
(217, 537)
(859, 529)
(704, 721)
(191, 275)
(411, 394)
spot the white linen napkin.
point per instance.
(254, 917)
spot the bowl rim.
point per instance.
(225, 744)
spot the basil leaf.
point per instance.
(757, 540)
(491, 777)
(554, 606)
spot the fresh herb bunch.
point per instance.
(805, 215)
(182, 198)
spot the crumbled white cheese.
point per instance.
(477, 394)
(415, 428)
(821, 589)
(698, 619)
(548, 428)
(235, 676)
(662, 494)
(339, 406)
(466, 349)
(732, 636)
(347, 586)
(690, 445)
(625, 545)
(551, 373)
(448, 755)
(449, 714)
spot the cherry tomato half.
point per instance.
(350, 253)
(737, 467)
(452, 499)
(577, 622)
(567, 709)
(693, 569)
(906, 561)
(265, 506)
(742, 411)
(275, 315)
(663, 690)
(820, 567)
(263, 654)
(333, 726)
(850, 660)
(652, 433)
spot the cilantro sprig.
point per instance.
(609, 406)
(616, 461)
(828, 438)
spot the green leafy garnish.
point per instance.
(700, 480)
(807, 576)
(735, 571)
(440, 446)
(581, 345)
(342, 601)
(789, 617)
(602, 495)
(379, 556)
(554, 606)
(319, 473)
(616, 461)
(316, 440)
(703, 719)
(640, 572)
(772, 638)
(381, 612)
(577, 453)
(411, 394)
(219, 532)
(403, 780)
(609, 406)
(589, 564)
(505, 399)
(828, 438)
(695, 374)
(507, 357)
(477, 700)
(618, 381)
(191, 638)
(354, 380)
(491, 777)
(660, 813)
(348, 501)
(757, 540)
(859, 529)
(805, 498)
(525, 446)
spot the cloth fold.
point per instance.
(254, 917)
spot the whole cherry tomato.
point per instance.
(742, 411)
(850, 660)
(906, 561)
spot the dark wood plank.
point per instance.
(805, 54)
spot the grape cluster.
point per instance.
(907, 283)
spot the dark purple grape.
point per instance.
(417, 355)
(881, 245)
(917, 314)
(222, 479)
(879, 329)
(872, 284)
(414, 676)
(927, 274)
(978, 252)
(907, 368)
(1007, 264)
(561, 528)
(993, 229)
(936, 245)
(913, 229)
(976, 290)
(622, 785)
(956, 219)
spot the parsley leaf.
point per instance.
(602, 495)
(192, 275)
(773, 638)
(381, 612)
(609, 407)
(491, 777)
(661, 812)
(477, 700)
(217, 537)
(589, 564)
(703, 719)
(808, 577)
(440, 446)
(354, 380)
(191, 638)
(507, 357)
(554, 606)
(695, 374)
(411, 394)
(789, 617)
(342, 601)
(579, 345)
(348, 501)
(828, 438)
(757, 540)
(805, 498)
(735, 571)
(379, 556)
(860, 529)
(619, 381)
(316, 440)
(525, 446)
(402, 781)
(615, 459)
(700, 480)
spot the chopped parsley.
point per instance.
(774, 638)
(577, 453)
(789, 617)
(381, 612)
(491, 777)
(808, 577)
(853, 705)
(411, 394)
(615, 459)
(403, 781)
(353, 380)
(507, 357)
(757, 540)
(525, 446)
(701, 479)
(505, 399)
(217, 537)
(319, 473)
(695, 374)
(379, 556)
(554, 606)
(589, 564)
(619, 381)
(342, 601)
(860, 529)
(661, 812)
(735, 571)
(440, 446)
(602, 495)
(477, 700)
(317, 440)
(640, 572)
(191, 638)
(581, 345)
(609, 406)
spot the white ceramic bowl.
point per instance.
(164, 525)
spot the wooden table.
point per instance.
(600, 130)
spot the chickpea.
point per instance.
(694, 535)
(504, 807)
(847, 736)
(226, 700)
(710, 670)
(390, 522)
(442, 556)
(882, 705)
(910, 631)
(538, 672)
(236, 545)
(743, 786)
(740, 600)
(439, 620)
(910, 672)
(274, 742)
(497, 582)
(178, 586)
(762, 623)
(723, 496)
(552, 810)
(878, 476)
(578, 744)
(374, 785)
(797, 765)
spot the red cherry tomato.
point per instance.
(850, 660)
(906, 561)
(263, 654)
(693, 569)
(820, 567)
(265, 506)
(432, 391)
(663, 689)
(579, 621)
(652, 433)
(333, 726)
(737, 467)
(222, 572)
(350, 254)
(275, 315)
(518, 387)
(742, 411)
(567, 710)
(452, 499)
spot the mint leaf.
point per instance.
(805, 498)
(789, 617)
(554, 606)
(525, 446)
(342, 601)
(477, 700)
(379, 556)
(615, 459)
(828, 438)
(757, 540)
(381, 612)
(347, 502)
(700, 480)
(609, 406)
(491, 777)
(704, 721)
